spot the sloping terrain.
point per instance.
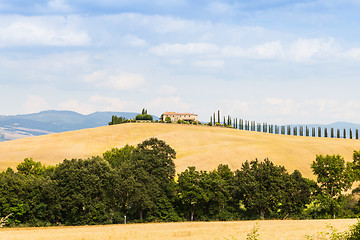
(36, 124)
(201, 146)
(268, 229)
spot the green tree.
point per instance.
(29, 166)
(84, 189)
(191, 190)
(333, 176)
(168, 119)
(117, 120)
(147, 117)
(260, 186)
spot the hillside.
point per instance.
(52, 121)
(201, 146)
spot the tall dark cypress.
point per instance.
(283, 130)
(357, 133)
(307, 131)
(214, 119)
(325, 133)
(332, 133)
(301, 131)
(344, 136)
(295, 131)
(350, 134)
(219, 116)
(338, 133)
(319, 131)
(288, 130)
(313, 132)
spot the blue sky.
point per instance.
(277, 61)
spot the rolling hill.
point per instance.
(201, 146)
(52, 121)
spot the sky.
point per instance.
(275, 61)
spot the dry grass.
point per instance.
(200, 146)
(269, 230)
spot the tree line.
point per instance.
(299, 130)
(138, 184)
(144, 116)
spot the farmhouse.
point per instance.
(182, 116)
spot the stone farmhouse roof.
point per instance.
(174, 113)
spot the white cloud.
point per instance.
(298, 50)
(162, 104)
(36, 31)
(35, 103)
(113, 103)
(167, 49)
(167, 90)
(267, 50)
(118, 81)
(134, 41)
(209, 63)
(304, 49)
(221, 8)
(58, 5)
(353, 53)
(74, 105)
(98, 103)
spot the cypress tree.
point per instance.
(283, 130)
(211, 119)
(338, 133)
(344, 136)
(214, 119)
(313, 132)
(224, 122)
(295, 131)
(325, 133)
(307, 131)
(319, 131)
(288, 130)
(350, 134)
(357, 133)
(301, 131)
(219, 116)
(332, 133)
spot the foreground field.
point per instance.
(201, 146)
(269, 230)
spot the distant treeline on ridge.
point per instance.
(297, 130)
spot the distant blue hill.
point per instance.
(35, 124)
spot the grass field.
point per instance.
(268, 230)
(201, 146)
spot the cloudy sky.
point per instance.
(280, 61)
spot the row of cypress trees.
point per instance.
(299, 130)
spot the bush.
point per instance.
(168, 120)
(354, 232)
(144, 117)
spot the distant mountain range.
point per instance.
(52, 121)
(35, 124)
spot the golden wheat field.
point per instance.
(268, 230)
(201, 146)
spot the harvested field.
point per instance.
(268, 229)
(200, 146)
